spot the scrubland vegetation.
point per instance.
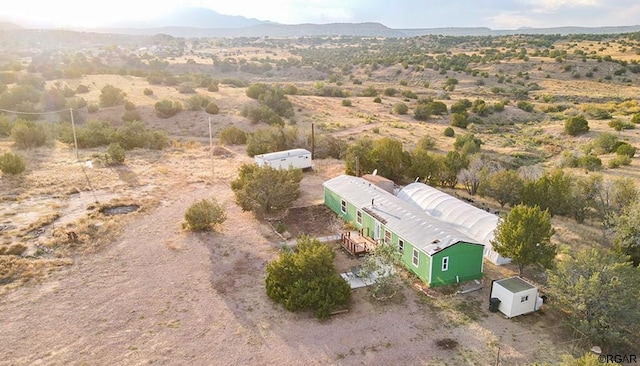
(514, 121)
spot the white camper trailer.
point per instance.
(514, 296)
(288, 159)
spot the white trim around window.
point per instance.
(343, 206)
(445, 263)
(359, 217)
(416, 257)
(401, 245)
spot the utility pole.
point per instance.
(211, 150)
(313, 142)
(75, 138)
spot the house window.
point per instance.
(401, 246)
(343, 206)
(415, 259)
(445, 263)
(359, 217)
(524, 298)
(387, 236)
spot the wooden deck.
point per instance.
(356, 243)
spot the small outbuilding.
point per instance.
(288, 159)
(514, 296)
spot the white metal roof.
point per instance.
(406, 220)
(468, 219)
(283, 154)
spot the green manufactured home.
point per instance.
(435, 251)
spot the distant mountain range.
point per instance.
(201, 22)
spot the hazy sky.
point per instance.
(496, 14)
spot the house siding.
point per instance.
(465, 259)
(463, 264)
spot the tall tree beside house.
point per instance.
(307, 279)
(524, 235)
(599, 290)
(265, 190)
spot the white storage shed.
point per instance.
(288, 159)
(514, 296)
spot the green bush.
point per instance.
(625, 149)
(635, 118)
(525, 106)
(213, 87)
(204, 215)
(400, 108)
(27, 134)
(346, 103)
(449, 132)
(377, 100)
(233, 136)
(197, 102)
(148, 92)
(129, 106)
(576, 125)
(157, 140)
(390, 92)
(111, 96)
(167, 108)
(11, 163)
(82, 89)
(307, 279)
(459, 120)
(5, 126)
(93, 108)
(590, 162)
(115, 154)
(618, 161)
(131, 115)
(212, 108)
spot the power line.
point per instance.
(34, 113)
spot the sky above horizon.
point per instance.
(495, 14)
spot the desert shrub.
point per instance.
(11, 163)
(115, 154)
(265, 190)
(131, 115)
(635, 118)
(167, 108)
(290, 89)
(422, 112)
(262, 113)
(94, 134)
(498, 106)
(605, 143)
(233, 136)
(625, 149)
(449, 132)
(576, 125)
(131, 135)
(370, 91)
(271, 139)
(459, 120)
(307, 279)
(525, 106)
(212, 108)
(129, 106)
(82, 89)
(93, 108)
(620, 125)
(346, 103)
(400, 108)
(147, 92)
(390, 92)
(157, 140)
(111, 96)
(619, 160)
(186, 89)
(466, 139)
(597, 112)
(5, 126)
(204, 215)
(409, 94)
(377, 100)
(590, 162)
(27, 134)
(426, 143)
(213, 87)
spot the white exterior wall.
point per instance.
(296, 159)
(511, 303)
